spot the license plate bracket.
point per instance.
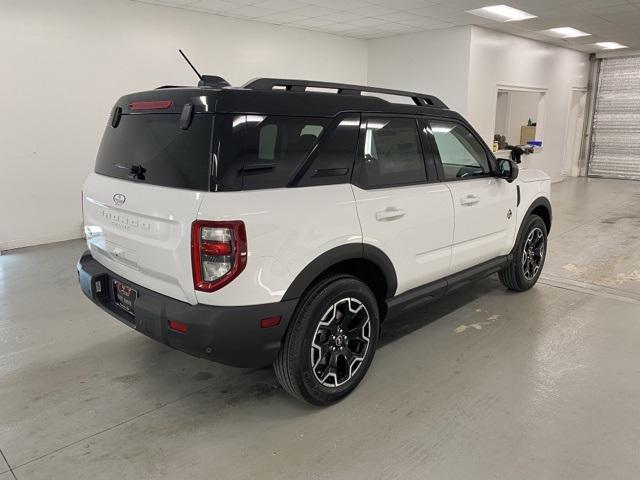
(124, 296)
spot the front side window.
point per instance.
(461, 154)
(392, 153)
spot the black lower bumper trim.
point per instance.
(229, 335)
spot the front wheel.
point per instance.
(528, 256)
(330, 342)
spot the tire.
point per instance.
(524, 268)
(317, 335)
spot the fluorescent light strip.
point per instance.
(610, 45)
(567, 32)
(501, 13)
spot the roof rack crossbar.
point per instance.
(419, 99)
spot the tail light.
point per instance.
(218, 253)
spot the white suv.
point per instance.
(283, 222)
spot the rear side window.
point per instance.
(391, 153)
(271, 149)
(151, 148)
(332, 161)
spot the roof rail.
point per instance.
(419, 99)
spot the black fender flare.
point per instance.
(540, 201)
(339, 254)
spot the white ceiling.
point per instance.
(606, 20)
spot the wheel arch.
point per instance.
(367, 262)
(541, 206)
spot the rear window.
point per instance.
(151, 148)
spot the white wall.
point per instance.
(498, 58)
(435, 62)
(465, 65)
(64, 63)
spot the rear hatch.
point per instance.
(152, 168)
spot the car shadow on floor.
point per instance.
(261, 383)
(128, 376)
(402, 325)
(229, 388)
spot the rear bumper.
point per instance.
(229, 335)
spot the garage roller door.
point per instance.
(615, 148)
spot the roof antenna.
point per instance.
(206, 80)
(190, 64)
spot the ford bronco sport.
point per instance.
(283, 222)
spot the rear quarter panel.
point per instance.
(287, 228)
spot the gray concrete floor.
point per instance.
(482, 384)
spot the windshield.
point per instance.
(151, 148)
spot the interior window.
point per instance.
(462, 156)
(267, 146)
(314, 130)
(392, 154)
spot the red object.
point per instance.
(215, 249)
(270, 322)
(237, 249)
(151, 105)
(178, 326)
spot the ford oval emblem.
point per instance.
(119, 198)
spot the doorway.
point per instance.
(573, 150)
(519, 118)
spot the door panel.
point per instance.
(400, 213)
(484, 205)
(413, 225)
(483, 225)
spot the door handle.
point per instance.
(469, 200)
(389, 213)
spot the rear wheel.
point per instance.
(330, 342)
(528, 256)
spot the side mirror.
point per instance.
(507, 169)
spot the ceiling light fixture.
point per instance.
(501, 13)
(610, 45)
(567, 32)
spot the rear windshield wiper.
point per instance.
(136, 172)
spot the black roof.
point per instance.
(289, 97)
